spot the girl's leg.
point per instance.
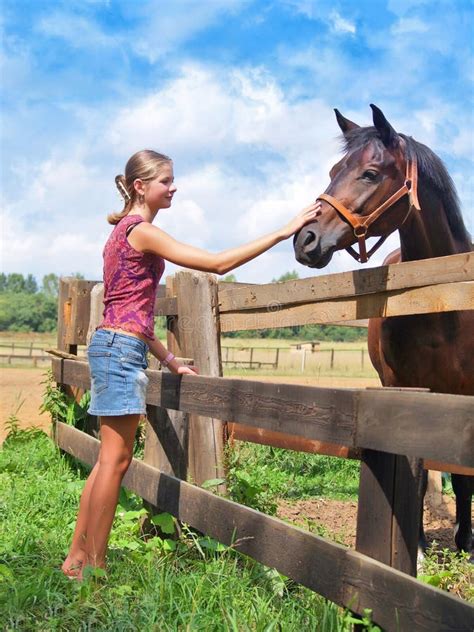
(117, 438)
(75, 556)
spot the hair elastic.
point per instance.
(123, 191)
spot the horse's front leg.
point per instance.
(463, 487)
(422, 544)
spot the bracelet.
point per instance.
(167, 360)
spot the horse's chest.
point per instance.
(428, 352)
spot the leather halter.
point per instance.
(362, 224)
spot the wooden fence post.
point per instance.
(388, 517)
(166, 434)
(74, 303)
(96, 309)
(198, 333)
(65, 316)
(64, 327)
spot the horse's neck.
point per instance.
(427, 233)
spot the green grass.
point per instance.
(199, 585)
(278, 473)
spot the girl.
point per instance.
(133, 265)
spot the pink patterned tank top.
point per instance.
(130, 282)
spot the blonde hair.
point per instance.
(144, 165)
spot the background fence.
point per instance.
(189, 419)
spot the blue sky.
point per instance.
(240, 93)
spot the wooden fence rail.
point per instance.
(356, 418)
(387, 429)
(390, 278)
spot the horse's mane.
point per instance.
(430, 167)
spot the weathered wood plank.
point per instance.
(96, 309)
(64, 315)
(374, 509)
(278, 407)
(348, 578)
(398, 276)
(80, 310)
(166, 441)
(241, 432)
(166, 306)
(65, 339)
(407, 502)
(401, 423)
(199, 337)
(167, 431)
(424, 425)
(161, 290)
(388, 515)
(423, 300)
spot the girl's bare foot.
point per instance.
(72, 565)
(91, 565)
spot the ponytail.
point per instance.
(121, 184)
(144, 165)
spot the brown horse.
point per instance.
(388, 181)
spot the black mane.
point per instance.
(430, 167)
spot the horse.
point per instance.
(388, 181)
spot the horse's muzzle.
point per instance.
(309, 249)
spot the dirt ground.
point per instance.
(21, 394)
(336, 519)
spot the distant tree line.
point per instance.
(26, 307)
(333, 333)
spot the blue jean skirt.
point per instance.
(117, 364)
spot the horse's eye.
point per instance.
(370, 175)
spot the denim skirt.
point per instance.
(117, 364)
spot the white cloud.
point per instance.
(78, 31)
(340, 24)
(166, 25)
(149, 29)
(409, 25)
(247, 158)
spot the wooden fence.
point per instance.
(190, 417)
(29, 354)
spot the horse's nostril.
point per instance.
(310, 236)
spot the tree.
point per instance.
(229, 278)
(50, 286)
(31, 286)
(27, 312)
(288, 276)
(15, 283)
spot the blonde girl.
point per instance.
(134, 257)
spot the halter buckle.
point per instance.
(360, 231)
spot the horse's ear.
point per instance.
(344, 124)
(389, 136)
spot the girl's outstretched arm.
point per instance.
(161, 352)
(148, 238)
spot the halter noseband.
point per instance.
(361, 225)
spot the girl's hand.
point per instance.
(308, 214)
(187, 370)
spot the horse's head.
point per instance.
(372, 189)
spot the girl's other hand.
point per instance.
(187, 370)
(308, 214)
